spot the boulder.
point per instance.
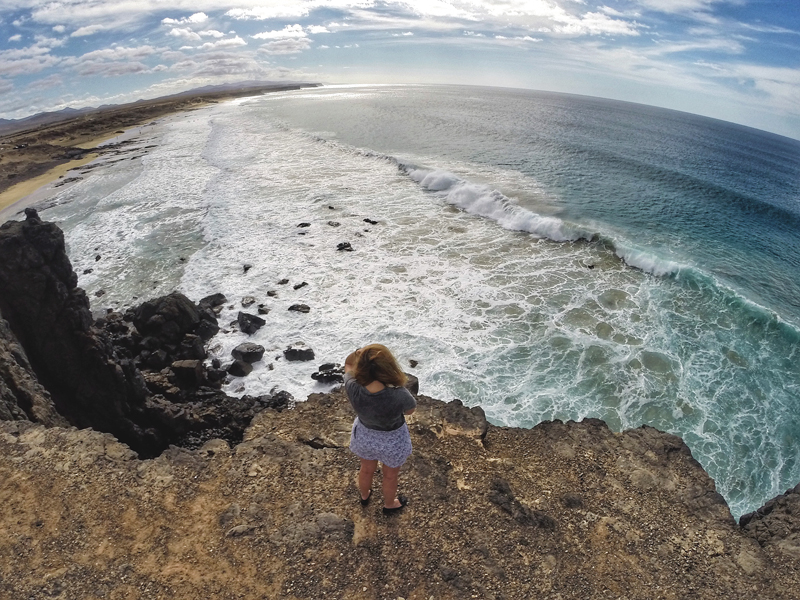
(298, 352)
(329, 373)
(248, 352)
(460, 420)
(167, 318)
(213, 301)
(301, 308)
(240, 368)
(345, 246)
(412, 384)
(249, 324)
(189, 373)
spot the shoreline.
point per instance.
(30, 159)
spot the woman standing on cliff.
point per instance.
(374, 384)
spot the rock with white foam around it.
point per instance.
(248, 352)
(298, 351)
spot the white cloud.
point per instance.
(404, 34)
(15, 38)
(48, 82)
(211, 33)
(323, 47)
(679, 6)
(88, 30)
(290, 31)
(5, 86)
(184, 33)
(314, 29)
(262, 13)
(59, 28)
(110, 69)
(193, 19)
(473, 34)
(27, 61)
(118, 53)
(229, 43)
(286, 46)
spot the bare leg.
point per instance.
(390, 475)
(365, 475)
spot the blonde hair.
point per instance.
(375, 362)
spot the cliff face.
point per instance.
(50, 317)
(21, 396)
(564, 510)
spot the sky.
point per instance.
(736, 60)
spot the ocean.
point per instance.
(544, 256)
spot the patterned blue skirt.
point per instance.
(392, 448)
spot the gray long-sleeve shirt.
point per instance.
(382, 410)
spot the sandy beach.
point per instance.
(33, 157)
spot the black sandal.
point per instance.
(365, 502)
(391, 511)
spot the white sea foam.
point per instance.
(484, 201)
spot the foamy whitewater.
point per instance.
(542, 255)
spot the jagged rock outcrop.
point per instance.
(50, 316)
(138, 375)
(777, 523)
(21, 396)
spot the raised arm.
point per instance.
(350, 361)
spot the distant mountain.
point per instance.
(39, 119)
(8, 126)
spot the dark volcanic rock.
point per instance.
(87, 367)
(248, 352)
(189, 373)
(468, 421)
(240, 368)
(249, 324)
(301, 308)
(344, 246)
(167, 318)
(412, 383)
(777, 523)
(329, 373)
(298, 352)
(21, 396)
(50, 317)
(213, 301)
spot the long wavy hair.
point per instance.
(375, 362)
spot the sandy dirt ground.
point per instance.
(561, 511)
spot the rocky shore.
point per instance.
(127, 473)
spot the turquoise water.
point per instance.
(542, 255)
